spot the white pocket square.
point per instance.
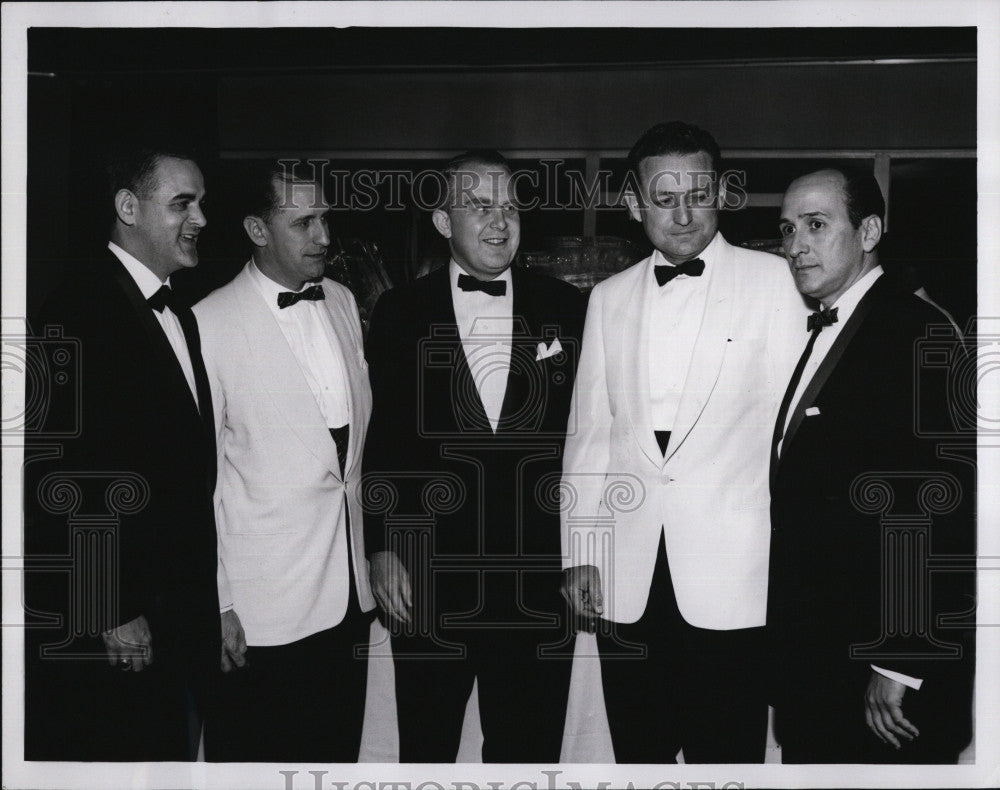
(547, 351)
(812, 411)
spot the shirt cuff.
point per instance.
(226, 608)
(906, 680)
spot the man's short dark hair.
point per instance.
(674, 137)
(134, 168)
(476, 157)
(862, 195)
(262, 199)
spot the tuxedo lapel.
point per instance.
(351, 374)
(442, 327)
(280, 376)
(522, 379)
(164, 358)
(635, 362)
(829, 364)
(709, 348)
(190, 327)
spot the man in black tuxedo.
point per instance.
(124, 507)
(472, 371)
(868, 666)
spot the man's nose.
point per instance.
(196, 216)
(322, 235)
(682, 214)
(498, 219)
(793, 244)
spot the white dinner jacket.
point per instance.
(709, 496)
(283, 546)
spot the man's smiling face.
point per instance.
(481, 222)
(169, 218)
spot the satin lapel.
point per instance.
(353, 376)
(193, 338)
(634, 359)
(443, 325)
(709, 348)
(279, 374)
(523, 350)
(829, 363)
(164, 357)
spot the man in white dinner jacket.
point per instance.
(285, 359)
(665, 536)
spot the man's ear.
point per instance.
(254, 226)
(720, 199)
(442, 222)
(125, 206)
(871, 232)
(632, 204)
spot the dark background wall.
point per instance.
(757, 106)
(778, 101)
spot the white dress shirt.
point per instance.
(149, 284)
(845, 305)
(485, 326)
(306, 327)
(674, 323)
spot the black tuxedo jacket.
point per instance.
(473, 515)
(120, 471)
(841, 575)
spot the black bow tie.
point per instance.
(825, 317)
(163, 298)
(491, 287)
(313, 293)
(692, 268)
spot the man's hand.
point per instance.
(391, 585)
(234, 642)
(130, 645)
(884, 710)
(581, 587)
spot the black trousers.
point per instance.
(523, 691)
(670, 686)
(87, 710)
(300, 702)
(80, 708)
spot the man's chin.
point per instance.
(498, 265)
(685, 245)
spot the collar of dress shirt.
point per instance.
(148, 282)
(708, 255)
(849, 299)
(269, 289)
(454, 270)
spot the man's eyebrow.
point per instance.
(681, 191)
(805, 215)
(185, 196)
